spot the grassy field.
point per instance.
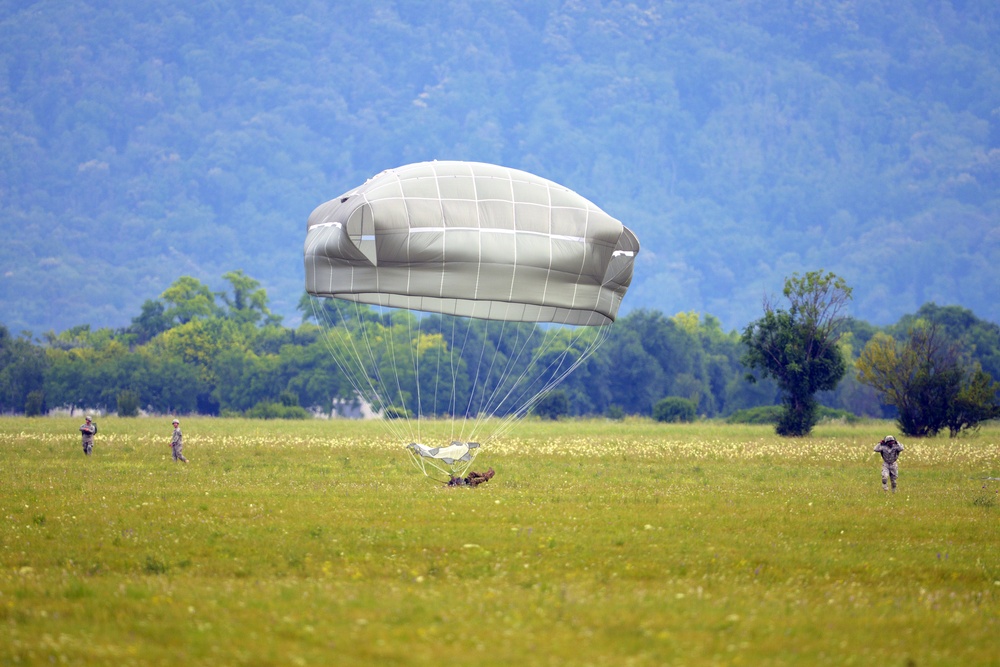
(597, 543)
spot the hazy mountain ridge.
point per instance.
(741, 141)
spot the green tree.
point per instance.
(128, 403)
(637, 379)
(150, 323)
(172, 386)
(553, 405)
(798, 346)
(248, 303)
(34, 404)
(927, 382)
(22, 371)
(675, 409)
(978, 339)
(188, 299)
(975, 403)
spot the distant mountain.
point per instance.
(742, 141)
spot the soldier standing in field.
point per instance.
(88, 429)
(177, 443)
(890, 449)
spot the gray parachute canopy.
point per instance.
(471, 239)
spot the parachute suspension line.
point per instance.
(474, 387)
(511, 386)
(488, 405)
(335, 336)
(504, 385)
(505, 388)
(483, 386)
(518, 389)
(413, 350)
(526, 404)
(497, 373)
(454, 358)
(400, 402)
(350, 359)
(559, 375)
(374, 378)
(523, 389)
(437, 378)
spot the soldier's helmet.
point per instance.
(889, 438)
(176, 422)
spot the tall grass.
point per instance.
(599, 543)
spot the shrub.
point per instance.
(269, 410)
(764, 414)
(836, 415)
(675, 409)
(771, 414)
(396, 412)
(553, 405)
(128, 403)
(34, 404)
(616, 413)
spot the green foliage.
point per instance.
(223, 363)
(798, 347)
(396, 412)
(154, 565)
(976, 402)
(764, 414)
(187, 299)
(772, 414)
(248, 303)
(675, 409)
(152, 321)
(974, 337)
(128, 403)
(22, 371)
(926, 379)
(34, 403)
(269, 410)
(553, 405)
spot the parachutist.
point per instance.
(889, 448)
(177, 443)
(88, 430)
(474, 478)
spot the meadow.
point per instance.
(597, 543)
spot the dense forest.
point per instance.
(192, 350)
(741, 140)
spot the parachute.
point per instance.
(458, 294)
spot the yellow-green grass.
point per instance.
(597, 543)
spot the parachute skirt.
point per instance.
(443, 463)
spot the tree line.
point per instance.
(192, 350)
(923, 375)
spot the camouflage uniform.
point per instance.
(88, 429)
(890, 449)
(474, 478)
(177, 443)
